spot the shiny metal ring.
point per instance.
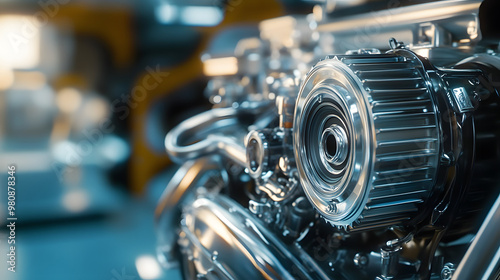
(333, 142)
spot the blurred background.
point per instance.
(88, 91)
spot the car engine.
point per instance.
(357, 147)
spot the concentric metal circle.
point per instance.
(367, 139)
(257, 154)
(332, 138)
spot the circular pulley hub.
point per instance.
(358, 120)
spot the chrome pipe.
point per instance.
(218, 228)
(483, 254)
(195, 137)
(403, 16)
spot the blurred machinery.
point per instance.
(87, 91)
(57, 117)
(179, 92)
(88, 88)
(335, 151)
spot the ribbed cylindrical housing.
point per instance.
(366, 139)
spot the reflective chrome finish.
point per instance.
(447, 271)
(201, 136)
(337, 190)
(257, 153)
(403, 16)
(433, 29)
(483, 255)
(397, 146)
(360, 123)
(244, 248)
(181, 189)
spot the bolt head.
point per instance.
(360, 260)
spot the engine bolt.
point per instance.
(215, 255)
(360, 260)
(447, 271)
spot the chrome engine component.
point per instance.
(380, 162)
(367, 134)
(238, 244)
(357, 118)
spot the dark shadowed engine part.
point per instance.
(373, 139)
(366, 164)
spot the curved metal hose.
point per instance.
(195, 137)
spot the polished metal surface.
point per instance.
(377, 167)
(228, 243)
(366, 139)
(201, 135)
(401, 16)
(257, 154)
(181, 189)
(338, 190)
(483, 255)
(429, 26)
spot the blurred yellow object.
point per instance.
(29, 80)
(111, 24)
(68, 100)
(6, 77)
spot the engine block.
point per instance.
(379, 162)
